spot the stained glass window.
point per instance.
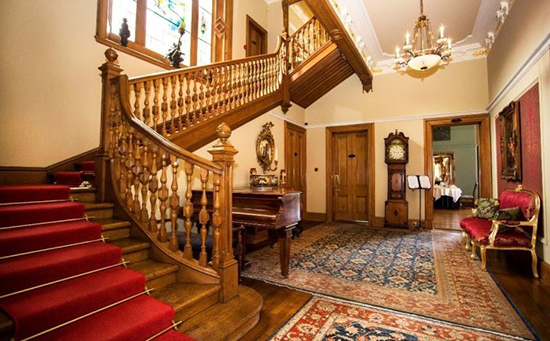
(123, 9)
(164, 19)
(204, 50)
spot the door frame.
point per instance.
(252, 22)
(485, 175)
(330, 131)
(297, 128)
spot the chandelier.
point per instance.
(423, 52)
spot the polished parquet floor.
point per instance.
(511, 269)
(449, 219)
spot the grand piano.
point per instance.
(276, 211)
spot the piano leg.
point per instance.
(284, 234)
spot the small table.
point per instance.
(446, 197)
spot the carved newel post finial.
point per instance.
(223, 132)
(111, 55)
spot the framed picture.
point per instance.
(510, 142)
(442, 133)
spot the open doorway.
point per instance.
(458, 161)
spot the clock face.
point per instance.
(396, 151)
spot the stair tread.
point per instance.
(238, 314)
(112, 223)
(180, 295)
(130, 245)
(83, 189)
(153, 269)
(97, 205)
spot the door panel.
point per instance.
(350, 176)
(295, 159)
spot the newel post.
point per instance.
(286, 73)
(223, 153)
(109, 70)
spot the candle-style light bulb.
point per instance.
(449, 44)
(441, 32)
(407, 38)
(397, 53)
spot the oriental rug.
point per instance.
(424, 273)
(323, 319)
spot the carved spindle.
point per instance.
(215, 91)
(123, 151)
(146, 109)
(137, 172)
(195, 96)
(144, 178)
(163, 196)
(153, 188)
(203, 217)
(188, 101)
(174, 206)
(156, 111)
(137, 95)
(130, 163)
(216, 223)
(173, 104)
(164, 107)
(188, 210)
(181, 103)
(202, 97)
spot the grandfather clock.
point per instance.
(397, 157)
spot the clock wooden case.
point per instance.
(396, 157)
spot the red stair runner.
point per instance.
(13, 215)
(39, 309)
(50, 306)
(14, 241)
(22, 193)
(87, 166)
(73, 179)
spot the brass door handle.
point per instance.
(337, 182)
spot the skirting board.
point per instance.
(544, 271)
(313, 216)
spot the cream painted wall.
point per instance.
(257, 10)
(51, 89)
(316, 153)
(525, 28)
(460, 87)
(527, 24)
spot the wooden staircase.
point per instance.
(196, 304)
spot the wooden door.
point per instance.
(350, 176)
(295, 159)
(256, 38)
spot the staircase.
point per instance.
(145, 172)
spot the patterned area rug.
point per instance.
(426, 273)
(322, 319)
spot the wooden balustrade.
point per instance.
(148, 171)
(307, 40)
(174, 101)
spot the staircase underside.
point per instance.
(319, 74)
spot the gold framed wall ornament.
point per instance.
(510, 142)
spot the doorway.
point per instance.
(256, 38)
(350, 173)
(295, 160)
(457, 158)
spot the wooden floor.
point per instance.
(511, 269)
(449, 219)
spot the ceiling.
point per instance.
(382, 24)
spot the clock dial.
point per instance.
(396, 152)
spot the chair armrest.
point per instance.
(496, 226)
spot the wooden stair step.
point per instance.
(133, 250)
(188, 298)
(84, 194)
(158, 274)
(101, 210)
(112, 223)
(239, 315)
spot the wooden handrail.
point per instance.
(306, 41)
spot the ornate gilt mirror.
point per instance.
(444, 168)
(265, 148)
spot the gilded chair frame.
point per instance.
(533, 223)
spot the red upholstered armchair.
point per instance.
(487, 234)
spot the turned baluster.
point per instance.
(216, 223)
(174, 206)
(163, 196)
(203, 218)
(188, 101)
(153, 188)
(156, 110)
(215, 92)
(173, 104)
(188, 210)
(202, 97)
(123, 152)
(146, 111)
(195, 118)
(164, 107)
(130, 163)
(137, 172)
(180, 103)
(144, 182)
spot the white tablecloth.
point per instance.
(452, 191)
